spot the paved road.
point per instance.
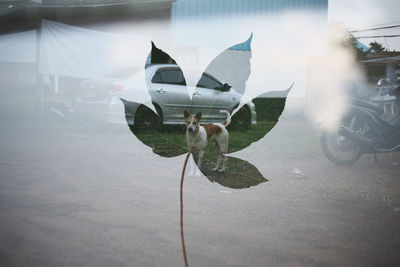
(73, 197)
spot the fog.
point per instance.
(293, 47)
(81, 185)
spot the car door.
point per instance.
(168, 90)
(209, 99)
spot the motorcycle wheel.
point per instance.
(339, 149)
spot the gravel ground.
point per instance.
(72, 196)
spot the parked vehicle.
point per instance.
(167, 88)
(98, 100)
(368, 127)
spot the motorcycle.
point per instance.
(368, 127)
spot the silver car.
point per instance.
(167, 88)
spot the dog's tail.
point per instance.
(228, 117)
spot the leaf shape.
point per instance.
(158, 56)
(170, 141)
(232, 66)
(268, 107)
(167, 143)
(238, 174)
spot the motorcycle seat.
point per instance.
(367, 104)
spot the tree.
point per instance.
(377, 47)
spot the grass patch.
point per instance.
(238, 174)
(171, 141)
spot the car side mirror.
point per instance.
(225, 87)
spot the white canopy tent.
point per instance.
(82, 53)
(76, 52)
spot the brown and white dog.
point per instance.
(197, 137)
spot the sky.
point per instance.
(365, 14)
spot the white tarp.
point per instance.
(77, 52)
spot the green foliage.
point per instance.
(239, 174)
(374, 47)
(269, 109)
(171, 142)
(377, 47)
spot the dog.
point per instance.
(198, 136)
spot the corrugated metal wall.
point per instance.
(184, 9)
(194, 20)
(18, 47)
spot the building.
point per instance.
(21, 30)
(383, 64)
(20, 35)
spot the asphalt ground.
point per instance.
(77, 196)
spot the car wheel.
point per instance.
(242, 119)
(146, 120)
